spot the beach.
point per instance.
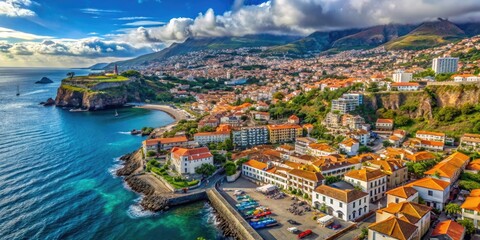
(177, 114)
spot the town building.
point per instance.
(397, 137)
(162, 144)
(320, 149)
(301, 145)
(384, 124)
(284, 133)
(402, 76)
(349, 146)
(371, 181)
(433, 191)
(402, 194)
(347, 103)
(470, 142)
(397, 172)
(393, 228)
(431, 136)
(362, 136)
(293, 120)
(471, 208)
(445, 65)
(333, 120)
(466, 78)
(346, 204)
(450, 168)
(249, 136)
(185, 160)
(448, 229)
(404, 86)
(205, 138)
(304, 182)
(414, 213)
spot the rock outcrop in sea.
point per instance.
(49, 102)
(72, 97)
(44, 80)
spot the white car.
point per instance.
(292, 229)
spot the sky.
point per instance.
(79, 33)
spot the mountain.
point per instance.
(429, 34)
(98, 66)
(199, 44)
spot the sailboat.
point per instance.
(18, 90)
(116, 113)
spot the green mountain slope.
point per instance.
(200, 44)
(429, 34)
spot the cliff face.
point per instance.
(425, 102)
(91, 100)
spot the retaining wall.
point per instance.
(190, 198)
(243, 229)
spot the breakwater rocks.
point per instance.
(131, 164)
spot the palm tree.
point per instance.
(71, 75)
(453, 209)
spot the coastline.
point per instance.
(175, 113)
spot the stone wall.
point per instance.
(242, 229)
(187, 198)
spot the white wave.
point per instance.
(113, 170)
(34, 92)
(136, 211)
(14, 105)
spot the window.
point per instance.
(396, 200)
(323, 198)
(353, 206)
(430, 193)
(331, 201)
(340, 204)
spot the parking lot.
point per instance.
(280, 213)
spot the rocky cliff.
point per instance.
(424, 103)
(73, 97)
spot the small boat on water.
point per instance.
(78, 110)
(18, 90)
(116, 113)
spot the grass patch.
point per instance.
(177, 182)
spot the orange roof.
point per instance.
(283, 126)
(313, 176)
(421, 156)
(365, 174)
(449, 166)
(439, 134)
(412, 212)
(471, 137)
(405, 84)
(402, 191)
(256, 164)
(472, 203)
(192, 153)
(211, 133)
(343, 195)
(395, 228)
(475, 193)
(308, 125)
(349, 142)
(321, 147)
(287, 147)
(385, 120)
(293, 164)
(432, 143)
(430, 183)
(294, 117)
(166, 140)
(450, 228)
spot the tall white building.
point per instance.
(402, 76)
(445, 65)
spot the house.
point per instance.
(397, 173)
(161, 144)
(349, 146)
(422, 156)
(393, 228)
(352, 122)
(371, 181)
(414, 213)
(402, 194)
(304, 182)
(185, 160)
(335, 168)
(262, 116)
(308, 127)
(473, 166)
(397, 137)
(205, 138)
(471, 209)
(384, 124)
(403, 86)
(448, 229)
(470, 142)
(287, 149)
(284, 133)
(431, 136)
(332, 120)
(293, 120)
(362, 136)
(346, 204)
(320, 149)
(208, 122)
(450, 168)
(433, 191)
(254, 169)
(301, 145)
(249, 136)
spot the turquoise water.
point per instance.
(56, 170)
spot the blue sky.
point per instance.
(83, 32)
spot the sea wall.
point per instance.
(241, 229)
(188, 198)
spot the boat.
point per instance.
(18, 90)
(116, 113)
(78, 110)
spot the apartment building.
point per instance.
(161, 144)
(433, 191)
(301, 145)
(471, 208)
(470, 142)
(404, 86)
(396, 171)
(450, 168)
(249, 136)
(349, 146)
(284, 133)
(205, 138)
(402, 76)
(384, 124)
(445, 65)
(346, 204)
(304, 182)
(402, 194)
(185, 160)
(320, 149)
(431, 136)
(371, 181)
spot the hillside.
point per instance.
(429, 34)
(200, 44)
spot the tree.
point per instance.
(205, 169)
(468, 225)
(418, 169)
(364, 149)
(230, 168)
(151, 153)
(278, 95)
(218, 158)
(71, 75)
(332, 179)
(387, 143)
(453, 209)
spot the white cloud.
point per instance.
(133, 18)
(10, 33)
(143, 23)
(96, 11)
(16, 8)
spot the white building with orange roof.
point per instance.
(448, 229)
(186, 160)
(431, 136)
(304, 182)
(346, 204)
(403, 86)
(465, 78)
(205, 138)
(160, 144)
(402, 194)
(470, 142)
(284, 133)
(384, 124)
(414, 213)
(393, 228)
(371, 181)
(471, 209)
(349, 146)
(293, 120)
(473, 166)
(450, 168)
(418, 157)
(320, 149)
(433, 191)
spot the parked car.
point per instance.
(293, 229)
(336, 226)
(293, 222)
(304, 234)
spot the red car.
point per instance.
(304, 234)
(262, 214)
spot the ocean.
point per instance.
(57, 169)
